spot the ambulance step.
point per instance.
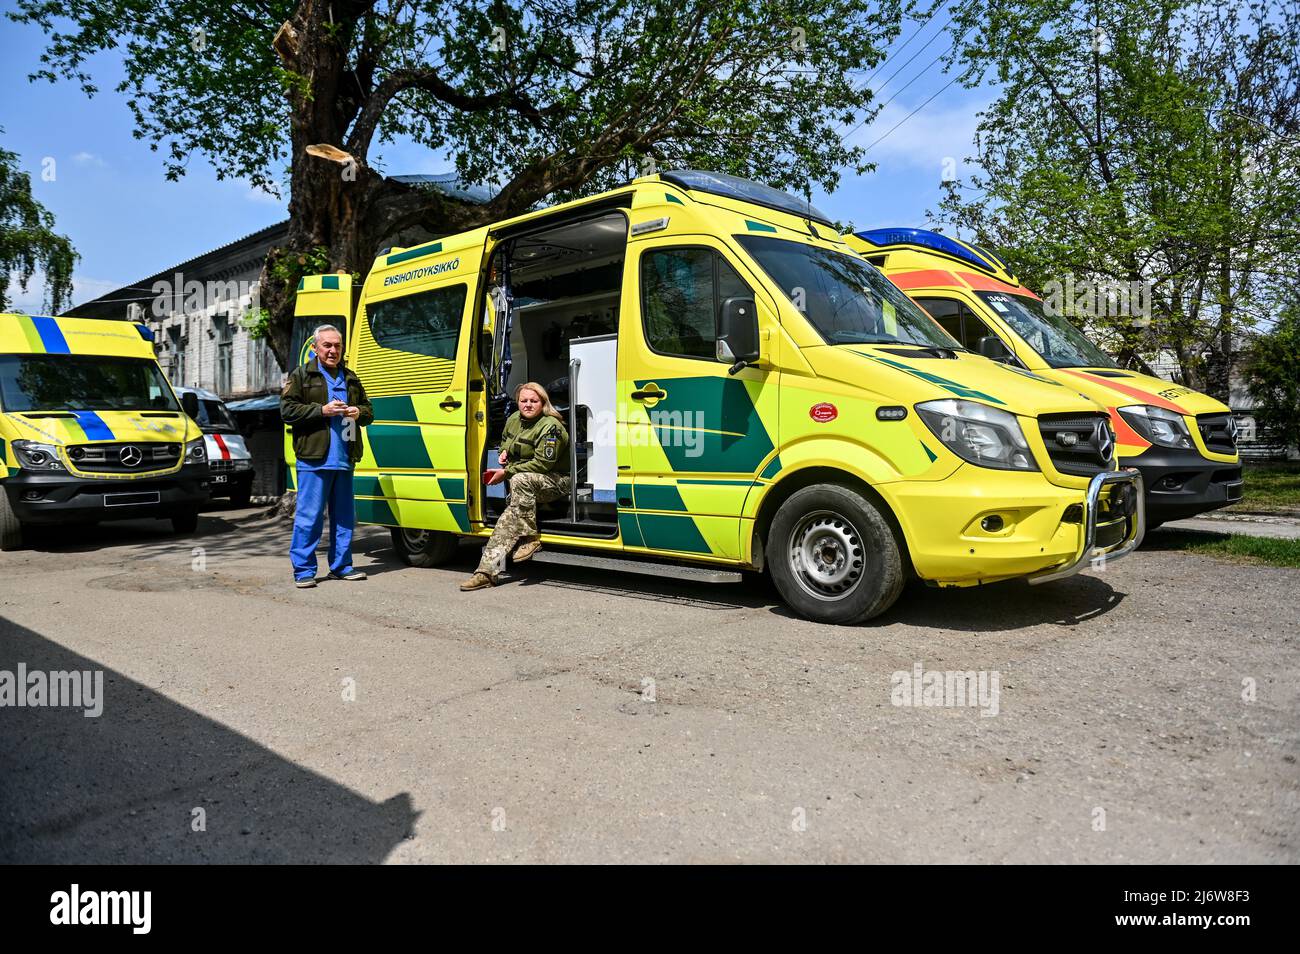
(676, 571)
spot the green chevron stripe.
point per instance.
(629, 530)
(731, 439)
(955, 387)
(665, 532)
(375, 511)
(398, 447)
(400, 408)
(658, 497)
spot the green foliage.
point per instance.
(1270, 488)
(257, 323)
(1272, 373)
(1139, 142)
(1237, 547)
(566, 94)
(28, 243)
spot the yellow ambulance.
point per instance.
(745, 393)
(1183, 442)
(90, 429)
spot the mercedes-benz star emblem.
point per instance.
(130, 455)
(1105, 444)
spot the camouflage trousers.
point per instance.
(520, 517)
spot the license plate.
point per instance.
(219, 479)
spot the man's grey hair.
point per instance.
(320, 328)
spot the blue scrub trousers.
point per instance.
(318, 489)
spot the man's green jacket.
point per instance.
(300, 407)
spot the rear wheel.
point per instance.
(11, 529)
(424, 547)
(833, 556)
(185, 522)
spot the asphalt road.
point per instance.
(1148, 713)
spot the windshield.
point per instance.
(47, 382)
(214, 417)
(847, 299)
(1059, 343)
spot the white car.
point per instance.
(229, 461)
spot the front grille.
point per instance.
(221, 465)
(1219, 432)
(139, 457)
(1091, 435)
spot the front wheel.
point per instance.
(11, 530)
(833, 556)
(424, 547)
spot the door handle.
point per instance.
(449, 403)
(648, 395)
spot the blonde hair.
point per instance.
(547, 407)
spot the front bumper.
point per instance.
(64, 498)
(1120, 518)
(1182, 483)
(1041, 528)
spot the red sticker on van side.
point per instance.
(821, 413)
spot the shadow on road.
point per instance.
(123, 787)
(996, 607)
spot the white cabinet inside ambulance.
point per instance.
(90, 429)
(230, 463)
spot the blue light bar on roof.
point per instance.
(745, 190)
(925, 239)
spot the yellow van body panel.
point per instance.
(27, 334)
(700, 464)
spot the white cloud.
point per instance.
(942, 130)
(84, 158)
(32, 301)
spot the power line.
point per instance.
(910, 115)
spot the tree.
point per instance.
(544, 99)
(1149, 146)
(1272, 373)
(28, 243)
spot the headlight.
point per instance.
(195, 452)
(1157, 425)
(34, 456)
(243, 464)
(978, 433)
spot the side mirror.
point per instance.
(737, 342)
(190, 404)
(991, 347)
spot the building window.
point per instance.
(176, 356)
(225, 347)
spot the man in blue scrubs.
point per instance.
(326, 407)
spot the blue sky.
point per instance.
(109, 195)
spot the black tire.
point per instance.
(242, 495)
(11, 529)
(424, 548)
(185, 522)
(833, 556)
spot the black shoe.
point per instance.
(306, 584)
(351, 576)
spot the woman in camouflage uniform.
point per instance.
(535, 459)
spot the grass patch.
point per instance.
(1270, 488)
(1266, 551)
